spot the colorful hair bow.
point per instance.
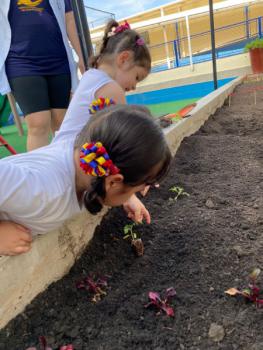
(95, 161)
(122, 28)
(100, 104)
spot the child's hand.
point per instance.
(14, 238)
(136, 210)
(146, 189)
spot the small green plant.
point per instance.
(179, 191)
(254, 44)
(129, 233)
(136, 241)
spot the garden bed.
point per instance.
(201, 245)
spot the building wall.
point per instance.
(201, 24)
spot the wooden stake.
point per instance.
(229, 100)
(15, 113)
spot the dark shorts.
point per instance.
(41, 93)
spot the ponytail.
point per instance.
(118, 38)
(91, 197)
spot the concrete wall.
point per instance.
(227, 67)
(23, 277)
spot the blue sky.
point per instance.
(121, 8)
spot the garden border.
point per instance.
(23, 277)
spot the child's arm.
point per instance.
(136, 210)
(114, 91)
(14, 238)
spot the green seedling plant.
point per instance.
(136, 241)
(252, 292)
(179, 191)
(129, 233)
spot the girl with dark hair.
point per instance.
(119, 152)
(122, 62)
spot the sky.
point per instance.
(121, 8)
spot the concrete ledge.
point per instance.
(205, 107)
(23, 277)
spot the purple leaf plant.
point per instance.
(251, 292)
(162, 304)
(96, 287)
(44, 346)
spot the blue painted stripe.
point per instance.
(176, 93)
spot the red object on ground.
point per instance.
(3, 142)
(256, 59)
(186, 110)
(181, 113)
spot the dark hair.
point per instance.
(135, 144)
(119, 42)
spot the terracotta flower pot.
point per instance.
(256, 59)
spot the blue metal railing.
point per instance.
(250, 28)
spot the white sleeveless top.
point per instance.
(78, 114)
(38, 188)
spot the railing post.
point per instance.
(189, 42)
(247, 23)
(260, 27)
(178, 39)
(176, 53)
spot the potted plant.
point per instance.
(255, 49)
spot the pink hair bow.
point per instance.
(140, 42)
(122, 28)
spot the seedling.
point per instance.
(94, 287)
(252, 292)
(162, 304)
(44, 346)
(179, 191)
(136, 241)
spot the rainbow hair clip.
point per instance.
(100, 104)
(95, 161)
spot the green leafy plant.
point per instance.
(254, 44)
(136, 241)
(129, 233)
(179, 191)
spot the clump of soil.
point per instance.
(201, 245)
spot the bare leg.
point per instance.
(38, 129)
(57, 116)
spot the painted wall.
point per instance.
(161, 52)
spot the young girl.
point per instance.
(119, 152)
(122, 62)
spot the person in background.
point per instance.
(36, 62)
(122, 62)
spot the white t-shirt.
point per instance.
(37, 189)
(78, 114)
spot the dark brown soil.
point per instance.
(201, 245)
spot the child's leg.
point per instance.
(14, 238)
